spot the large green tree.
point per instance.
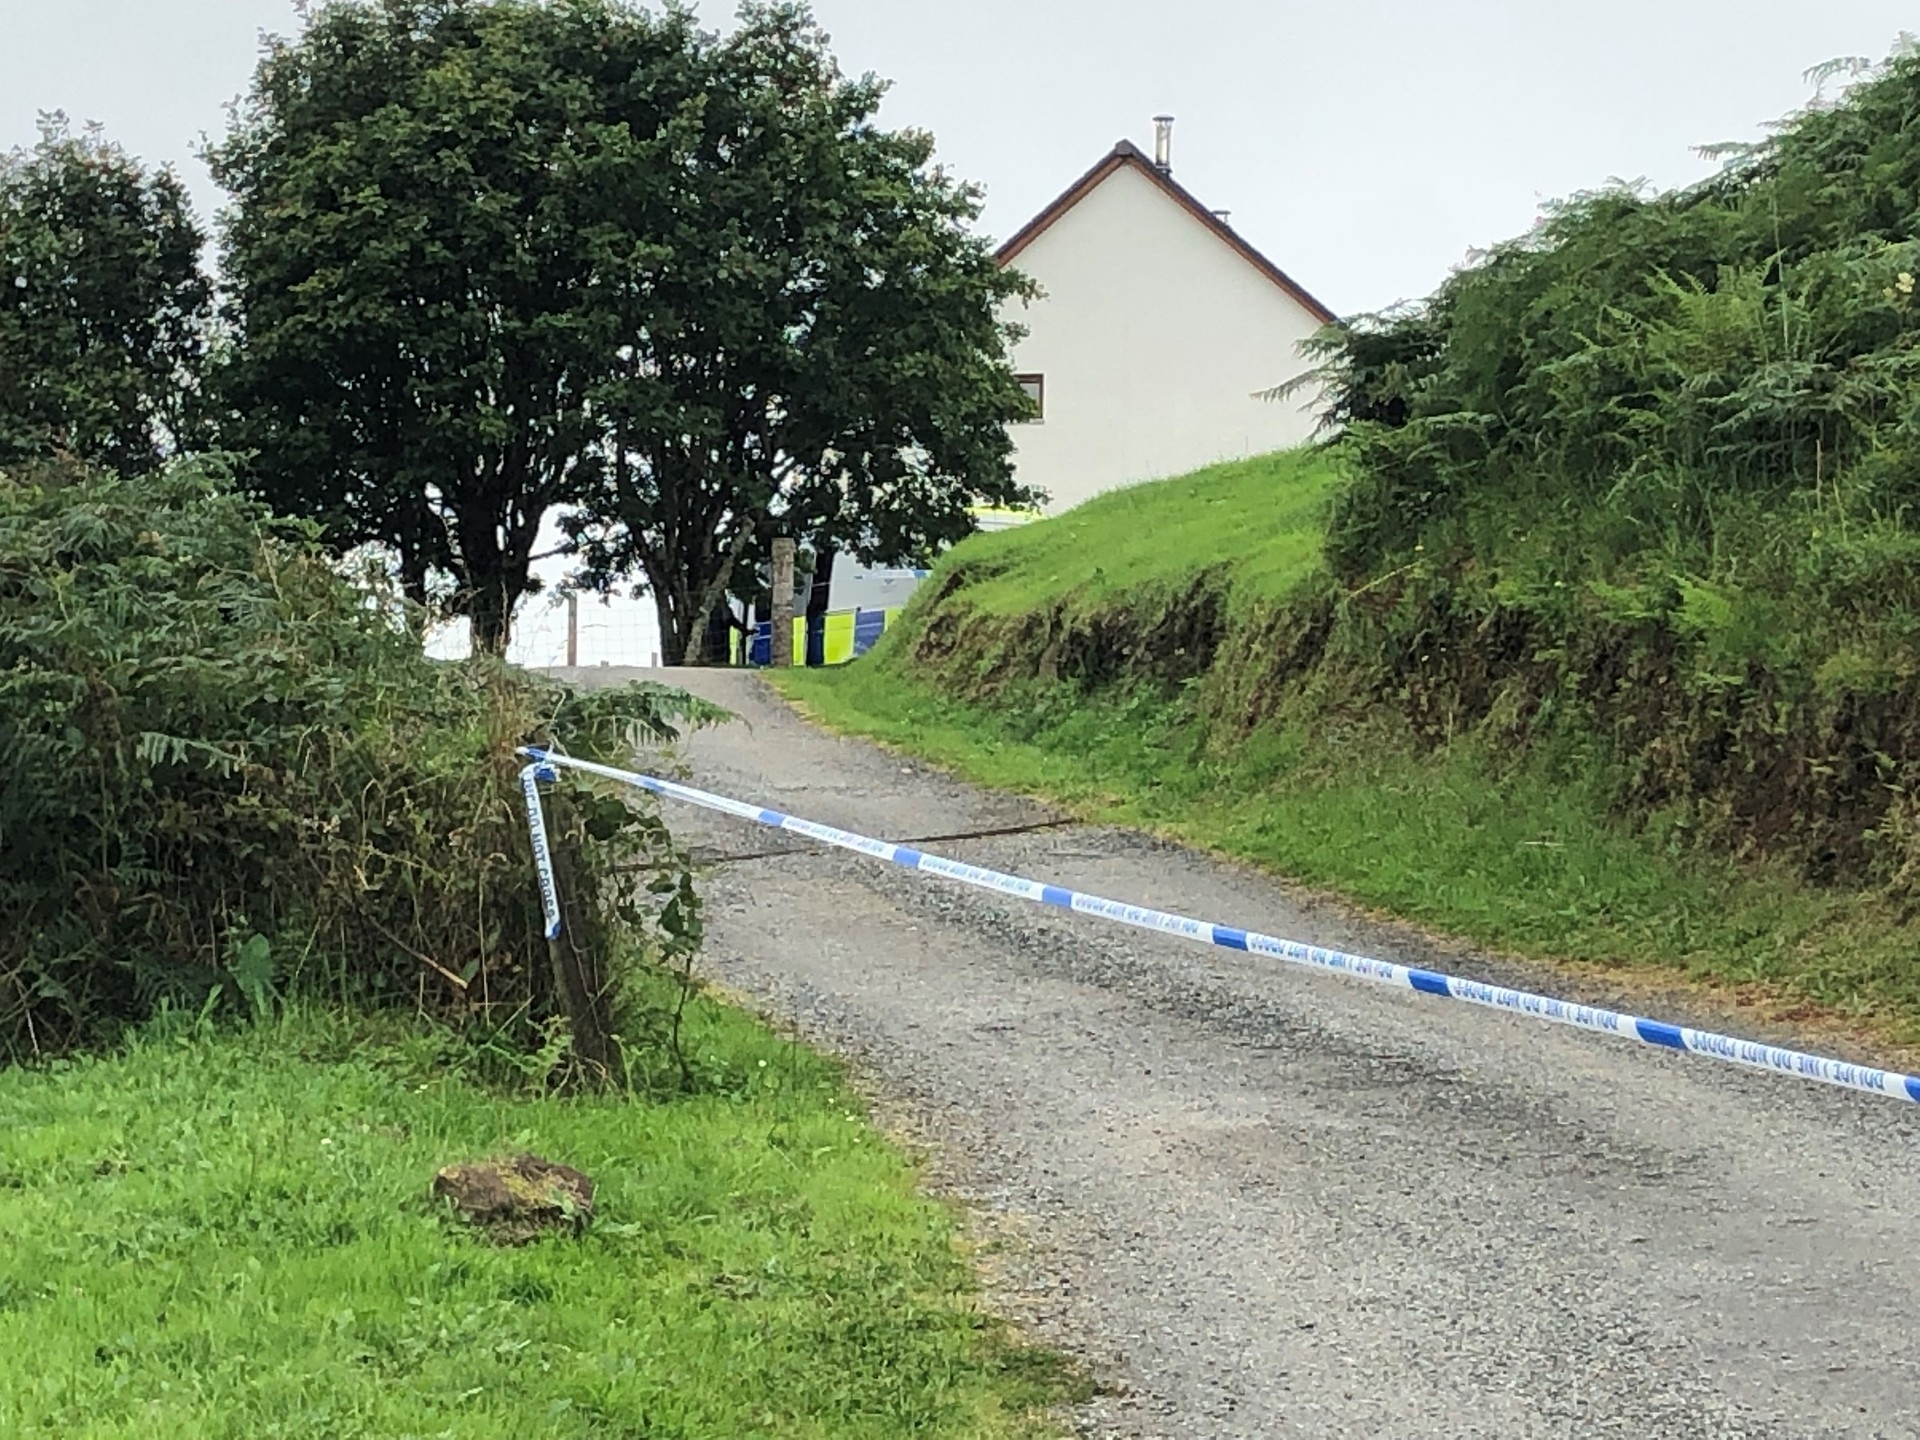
(820, 351)
(441, 210)
(494, 259)
(103, 303)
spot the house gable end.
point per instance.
(1126, 155)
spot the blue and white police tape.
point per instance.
(530, 779)
(1427, 982)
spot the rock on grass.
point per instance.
(519, 1199)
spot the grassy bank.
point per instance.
(1037, 660)
(228, 1234)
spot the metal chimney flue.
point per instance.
(1163, 144)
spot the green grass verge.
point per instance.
(229, 1235)
(1524, 857)
(1522, 861)
(1261, 520)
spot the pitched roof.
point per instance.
(1127, 155)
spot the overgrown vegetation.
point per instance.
(1649, 475)
(225, 1234)
(251, 836)
(227, 770)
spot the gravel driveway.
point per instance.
(1267, 1202)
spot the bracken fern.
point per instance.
(229, 770)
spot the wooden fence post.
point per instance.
(584, 984)
(781, 635)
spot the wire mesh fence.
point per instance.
(617, 630)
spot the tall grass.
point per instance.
(1696, 408)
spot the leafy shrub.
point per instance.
(1723, 369)
(228, 769)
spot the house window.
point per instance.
(1034, 387)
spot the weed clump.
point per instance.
(228, 774)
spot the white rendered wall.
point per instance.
(1153, 336)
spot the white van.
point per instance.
(863, 587)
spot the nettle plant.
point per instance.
(232, 775)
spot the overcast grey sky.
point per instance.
(1365, 145)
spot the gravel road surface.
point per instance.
(1264, 1202)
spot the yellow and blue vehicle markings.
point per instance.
(844, 635)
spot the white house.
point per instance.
(1157, 329)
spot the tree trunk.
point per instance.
(818, 593)
(714, 592)
(494, 571)
(413, 579)
(671, 647)
(821, 588)
(490, 616)
(671, 610)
